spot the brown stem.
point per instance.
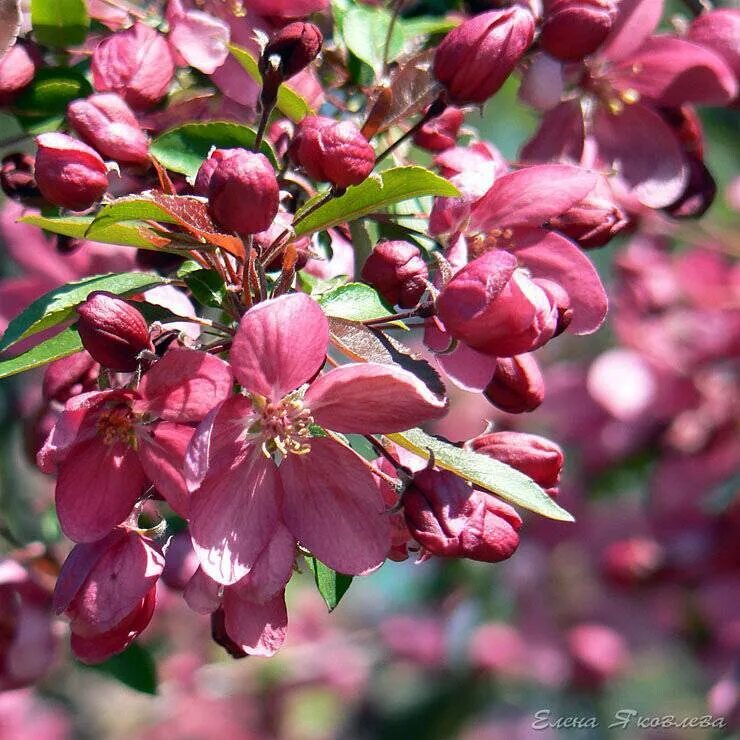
(397, 5)
(433, 111)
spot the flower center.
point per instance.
(117, 425)
(284, 426)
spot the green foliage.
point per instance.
(134, 667)
(61, 345)
(332, 585)
(59, 23)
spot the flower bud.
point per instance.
(17, 180)
(69, 173)
(69, 377)
(440, 133)
(242, 189)
(699, 193)
(494, 307)
(593, 222)
(105, 122)
(397, 271)
(331, 151)
(112, 331)
(295, 45)
(450, 519)
(559, 301)
(17, 69)
(136, 63)
(632, 561)
(598, 654)
(535, 456)
(517, 385)
(475, 59)
(573, 29)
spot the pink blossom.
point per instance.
(110, 446)
(107, 589)
(197, 37)
(321, 490)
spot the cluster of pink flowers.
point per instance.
(250, 425)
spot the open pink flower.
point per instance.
(110, 446)
(261, 461)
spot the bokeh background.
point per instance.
(635, 607)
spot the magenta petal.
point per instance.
(644, 151)
(560, 135)
(202, 594)
(97, 487)
(272, 570)
(528, 197)
(333, 507)
(371, 398)
(673, 71)
(162, 450)
(549, 255)
(280, 345)
(184, 385)
(234, 512)
(258, 629)
(636, 20)
(468, 369)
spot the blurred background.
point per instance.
(632, 613)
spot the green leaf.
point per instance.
(288, 100)
(378, 191)
(61, 345)
(364, 31)
(354, 301)
(183, 149)
(59, 305)
(483, 472)
(207, 287)
(132, 234)
(332, 585)
(50, 92)
(134, 667)
(59, 23)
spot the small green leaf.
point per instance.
(65, 343)
(59, 305)
(288, 100)
(378, 191)
(132, 234)
(183, 149)
(134, 667)
(365, 30)
(332, 585)
(354, 301)
(59, 23)
(50, 92)
(207, 287)
(483, 472)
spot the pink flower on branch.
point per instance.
(260, 461)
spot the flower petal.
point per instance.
(467, 369)
(202, 594)
(162, 454)
(184, 385)
(635, 21)
(333, 507)
(559, 137)
(280, 345)
(549, 255)
(644, 152)
(259, 629)
(234, 512)
(528, 197)
(370, 398)
(97, 487)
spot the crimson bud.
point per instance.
(17, 180)
(69, 173)
(572, 29)
(475, 59)
(397, 271)
(105, 122)
(517, 385)
(243, 193)
(440, 133)
(295, 45)
(593, 222)
(332, 151)
(112, 331)
(17, 70)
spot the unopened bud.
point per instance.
(106, 123)
(69, 377)
(397, 271)
(476, 58)
(69, 173)
(440, 133)
(242, 190)
(593, 222)
(112, 331)
(517, 385)
(17, 180)
(573, 29)
(332, 151)
(17, 70)
(295, 45)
